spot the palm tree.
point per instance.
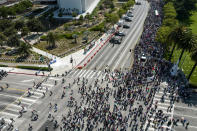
(51, 39)
(186, 41)
(24, 49)
(174, 38)
(75, 37)
(194, 58)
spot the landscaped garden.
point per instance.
(79, 33)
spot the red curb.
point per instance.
(25, 73)
(79, 67)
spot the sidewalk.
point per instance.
(46, 54)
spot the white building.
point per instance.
(80, 5)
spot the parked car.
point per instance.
(129, 14)
(128, 19)
(138, 3)
(126, 26)
(12, 52)
(115, 40)
(119, 34)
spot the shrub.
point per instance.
(99, 27)
(68, 35)
(43, 38)
(1, 65)
(35, 68)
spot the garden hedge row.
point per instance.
(35, 68)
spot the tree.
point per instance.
(88, 17)
(194, 58)
(121, 12)
(24, 49)
(24, 31)
(86, 33)
(174, 38)
(112, 18)
(81, 18)
(3, 12)
(35, 25)
(162, 34)
(51, 40)
(10, 31)
(74, 14)
(4, 24)
(13, 41)
(19, 24)
(60, 14)
(75, 37)
(187, 41)
(3, 38)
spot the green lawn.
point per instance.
(193, 19)
(193, 26)
(186, 65)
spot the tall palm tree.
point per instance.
(24, 49)
(186, 42)
(174, 38)
(194, 58)
(75, 37)
(51, 39)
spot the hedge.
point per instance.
(35, 68)
(1, 65)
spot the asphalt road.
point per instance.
(17, 93)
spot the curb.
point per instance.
(104, 43)
(25, 73)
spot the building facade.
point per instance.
(80, 5)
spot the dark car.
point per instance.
(12, 52)
(138, 3)
(119, 34)
(126, 26)
(128, 19)
(115, 40)
(129, 14)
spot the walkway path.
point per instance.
(46, 54)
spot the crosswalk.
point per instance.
(13, 102)
(164, 106)
(91, 74)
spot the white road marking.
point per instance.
(8, 115)
(81, 74)
(76, 72)
(86, 73)
(53, 78)
(28, 80)
(47, 84)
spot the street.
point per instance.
(116, 90)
